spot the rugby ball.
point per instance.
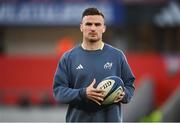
(112, 86)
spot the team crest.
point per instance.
(108, 65)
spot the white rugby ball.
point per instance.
(112, 86)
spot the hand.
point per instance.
(94, 94)
(119, 97)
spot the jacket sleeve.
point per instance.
(128, 78)
(61, 89)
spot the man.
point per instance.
(82, 68)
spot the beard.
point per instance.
(93, 39)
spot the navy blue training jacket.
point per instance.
(77, 69)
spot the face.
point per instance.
(92, 27)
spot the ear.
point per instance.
(104, 29)
(81, 27)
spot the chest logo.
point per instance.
(79, 67)
(108, 65)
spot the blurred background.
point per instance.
(35, 33)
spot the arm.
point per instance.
(62, 92)
(128, 78)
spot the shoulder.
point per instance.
(114, 50)
(71, 53)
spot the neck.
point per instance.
(87, 45)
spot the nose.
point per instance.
(93, 27)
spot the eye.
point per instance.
(88, 24)
(97, 24)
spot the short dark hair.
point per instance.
(92, 11)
